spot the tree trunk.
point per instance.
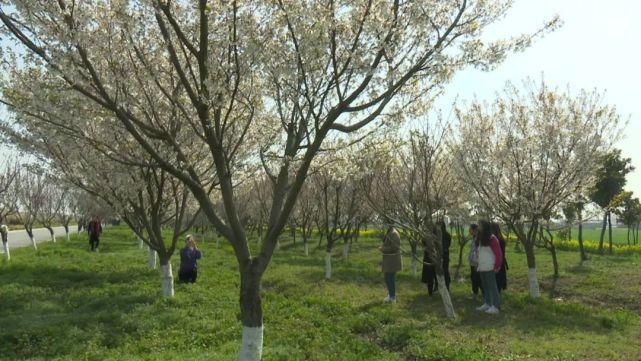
(167, 279)
(67, 231)
(251, 314)
(5, 247)
(533, 281)
(555, 261)
(306, 248)
(584, 257)
(218, 242)
(445, 296)
(629, 235)
(51, 234)
(33, 240)
(414, 265)
(141, 244)
(346, 247)
(152, 258)
(610, 232)
(328, 265)
(460, 261)
(605, 223)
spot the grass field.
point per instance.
(65, 303)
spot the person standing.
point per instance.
(428, 275)
(189, 256)
(392, 261)
(490, 260)
(94, 228)
(501, 275)
(472, 258)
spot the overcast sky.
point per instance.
(597, 47)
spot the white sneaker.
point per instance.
(483, 307)
(389, 299)
(492, 311)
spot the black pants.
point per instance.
(188, 276)
(475, 276)
(94, 241)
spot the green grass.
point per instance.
(63, 302)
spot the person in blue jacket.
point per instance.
(189, 257)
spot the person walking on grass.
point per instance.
(472, 258)
(490, 259)
(94, 228)
(392, 261)
(501, 275)
(189, 256)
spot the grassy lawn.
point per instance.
(63, 302)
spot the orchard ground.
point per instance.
(63, 302)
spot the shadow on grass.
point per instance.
(49, 311)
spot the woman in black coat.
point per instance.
(501, 275)
(428, 275)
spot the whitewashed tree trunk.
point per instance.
(152, 258)
(53, 237)
(346, 250)
(141, 244)
(414, 266)
(445, 296)
(306, 249)
(5, 247)
(68, 236)
(251, 348)
(534, 283)
(328, 265)
(167, 280)
(33, 243)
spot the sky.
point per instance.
(596, 48)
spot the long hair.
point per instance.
(485, 233)
(496, 230)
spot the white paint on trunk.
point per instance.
(414, 266)
(534, 283)
(141, 244)
(167, 280)
(68, 236)
(445, 296)
(152, 258)
(252, 345)
(306, 249)
(346, 250)
(53, 237)
(328, 265)
(33, 243)
(5, 247)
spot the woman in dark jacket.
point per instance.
(428, 275)
(501, 275)
(189, 257)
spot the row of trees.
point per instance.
(150, 103)
(30, 196)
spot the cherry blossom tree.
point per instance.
(530, 150)
(9, 170)
(51, 205)
(202, 88)
(29, 187)
(412, 185)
